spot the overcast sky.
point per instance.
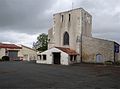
(21, 21)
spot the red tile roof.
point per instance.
(68, 50)
(10, 46)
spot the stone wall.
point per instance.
(50, 38)
(27, 53)
(118, 57)
(93, 48)
(86, 22)
(2, 52)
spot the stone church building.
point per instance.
(70, 41)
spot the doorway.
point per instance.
(13, 54)
(56, 58)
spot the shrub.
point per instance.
(117, 62)
(0, 59)
(5, 58)
(109, 62)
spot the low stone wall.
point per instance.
(117, 56)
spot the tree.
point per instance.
(42, 42)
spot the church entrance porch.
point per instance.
(56, 58)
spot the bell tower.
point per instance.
(68, 27)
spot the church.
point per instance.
(70, 41)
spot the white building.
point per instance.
(58, 55)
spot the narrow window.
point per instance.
(66, 38)
(44, 57)
(62, 18)
(69, 17)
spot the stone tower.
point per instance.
(68, 27)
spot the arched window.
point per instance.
(66, 38)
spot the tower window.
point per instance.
(66, 38)
(69, 17)
(62, 18)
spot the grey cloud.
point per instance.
(113, 36)
(35, 16)
(25, 15)
(19, 38)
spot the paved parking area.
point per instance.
(81, 76)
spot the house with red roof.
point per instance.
(15, 52)
(10, 50)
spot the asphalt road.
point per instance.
(80, 76)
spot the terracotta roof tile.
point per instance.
(11, 46)
(68, 51)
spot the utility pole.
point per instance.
(82, 40)
(81, 44)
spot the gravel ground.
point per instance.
(80, 76)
